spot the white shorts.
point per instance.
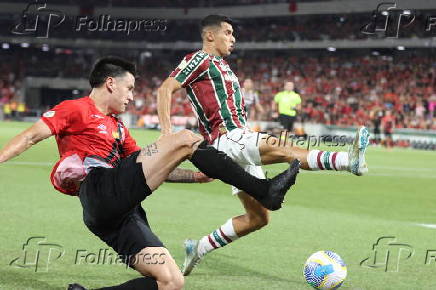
(242, 145)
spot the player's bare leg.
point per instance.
(163, 156)
(158, 263)
(255, 217)
(158, 268)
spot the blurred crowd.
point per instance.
(344, 90)
(336, 88)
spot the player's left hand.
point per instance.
(200, 177)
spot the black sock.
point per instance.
(218, 165)
(144, 283)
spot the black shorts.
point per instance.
(111, 200)
(287, 122)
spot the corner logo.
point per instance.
(387, 254)
(38, 254)
(37, 20)
(388, 20)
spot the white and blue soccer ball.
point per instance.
(325, 270)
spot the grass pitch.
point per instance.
(324, 211)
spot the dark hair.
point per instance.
(109, 66)
(214, 20)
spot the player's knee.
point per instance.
(187, 138)
(179, 281)
(175, 282)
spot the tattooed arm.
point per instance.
(187, 176)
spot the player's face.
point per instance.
(224, 39)
(289, 86)
(122, 92)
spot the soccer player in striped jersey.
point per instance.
(215, 94)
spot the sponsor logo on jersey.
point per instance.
(102, 128)
(97, 116)
(189, 67)
(49, 114)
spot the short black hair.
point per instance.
(110, 66)
(214, 20)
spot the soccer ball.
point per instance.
(325, 270)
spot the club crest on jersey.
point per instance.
(49, 114)
(115, 134)
(224, 67)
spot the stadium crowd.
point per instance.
(337, 89)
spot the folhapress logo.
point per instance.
(390, 21)
(387, 254)
(37, 20)
(38, 254)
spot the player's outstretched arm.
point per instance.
(164, 94)
(187, 176)
(23, 141)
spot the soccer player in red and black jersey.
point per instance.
(102, 164)
(216, 97)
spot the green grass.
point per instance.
(324, 211)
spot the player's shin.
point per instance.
(217, 239)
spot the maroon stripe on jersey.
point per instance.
(211, 242)
(206, 97)
(228, 86)
(225, 237)
(334, 160)
(175, 72)
(318, 159)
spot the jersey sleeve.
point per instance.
(129, 145)
(277, 98)
(191, 68)
(298, 100)
(64, 118)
